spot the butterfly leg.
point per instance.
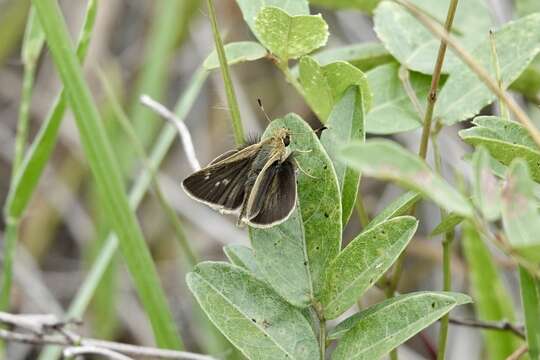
(302, 170)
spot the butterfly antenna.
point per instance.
(262, 109)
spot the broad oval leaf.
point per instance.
(464, 95)
(363, 262)
(398, 207)
(414, 46)
(236, 52)
(526, 7)
(528, 83)
(486, 190)
(365, 56)
(345, 123)
(362, 5)
(305, 244)
(250, 9)
(250, 314)
(289, 37)
(387, 160)
(492, 301)
(281, 256)
(325, 85)
(521, 219)
(243, 257)
(392, 110)
(505, 140)
(376, 331)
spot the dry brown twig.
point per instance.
(49, 330)
(491, 325)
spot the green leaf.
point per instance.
(243, 257)
(39, 152)
(236, 52)
(137, 192)
(376, 331)
(281, 256)
(387, 160)
(251, 8)
(392, 110)
(363, 262)
(365, 56)
(530, 296)
(34, 39)
(343, 327)
(505, 140)
(362, 5)
(250, 314)
(486, 190)
(398, 207)
(104, 167)
(521, 219)
(448, 223)
(526, 7)
(345, 123)
(528, 83)
(491, 300)
(324, 85)
(414, 46)
(289, 37)
(464, 95)
(281, 250)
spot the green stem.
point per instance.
(447, 286)
(31, 48)
(322, 337)
(138, 146)
(503, 111)
(426, 132)
(104, 166)
(136, 194)
(227, 81)
(291, 79)
(432, 96)
(10, 239)
(363, 216)
(21, 138)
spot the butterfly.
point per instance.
(258, 181)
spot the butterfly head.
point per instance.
(281, 141)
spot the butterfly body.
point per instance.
(258, 181)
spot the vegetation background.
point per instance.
(157, 48)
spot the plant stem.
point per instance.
(10, 239)
(317, 307)
(482, 74)
(405, 79)
(122, 118)
(490, 325)
(428, 116)
(426, 132)
(227, 81)
(283, 66)
(363, 216)
(432, 96)
(322, 337)
(447, 286)
(503, 111)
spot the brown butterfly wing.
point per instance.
(221, 185)
(274, 197)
